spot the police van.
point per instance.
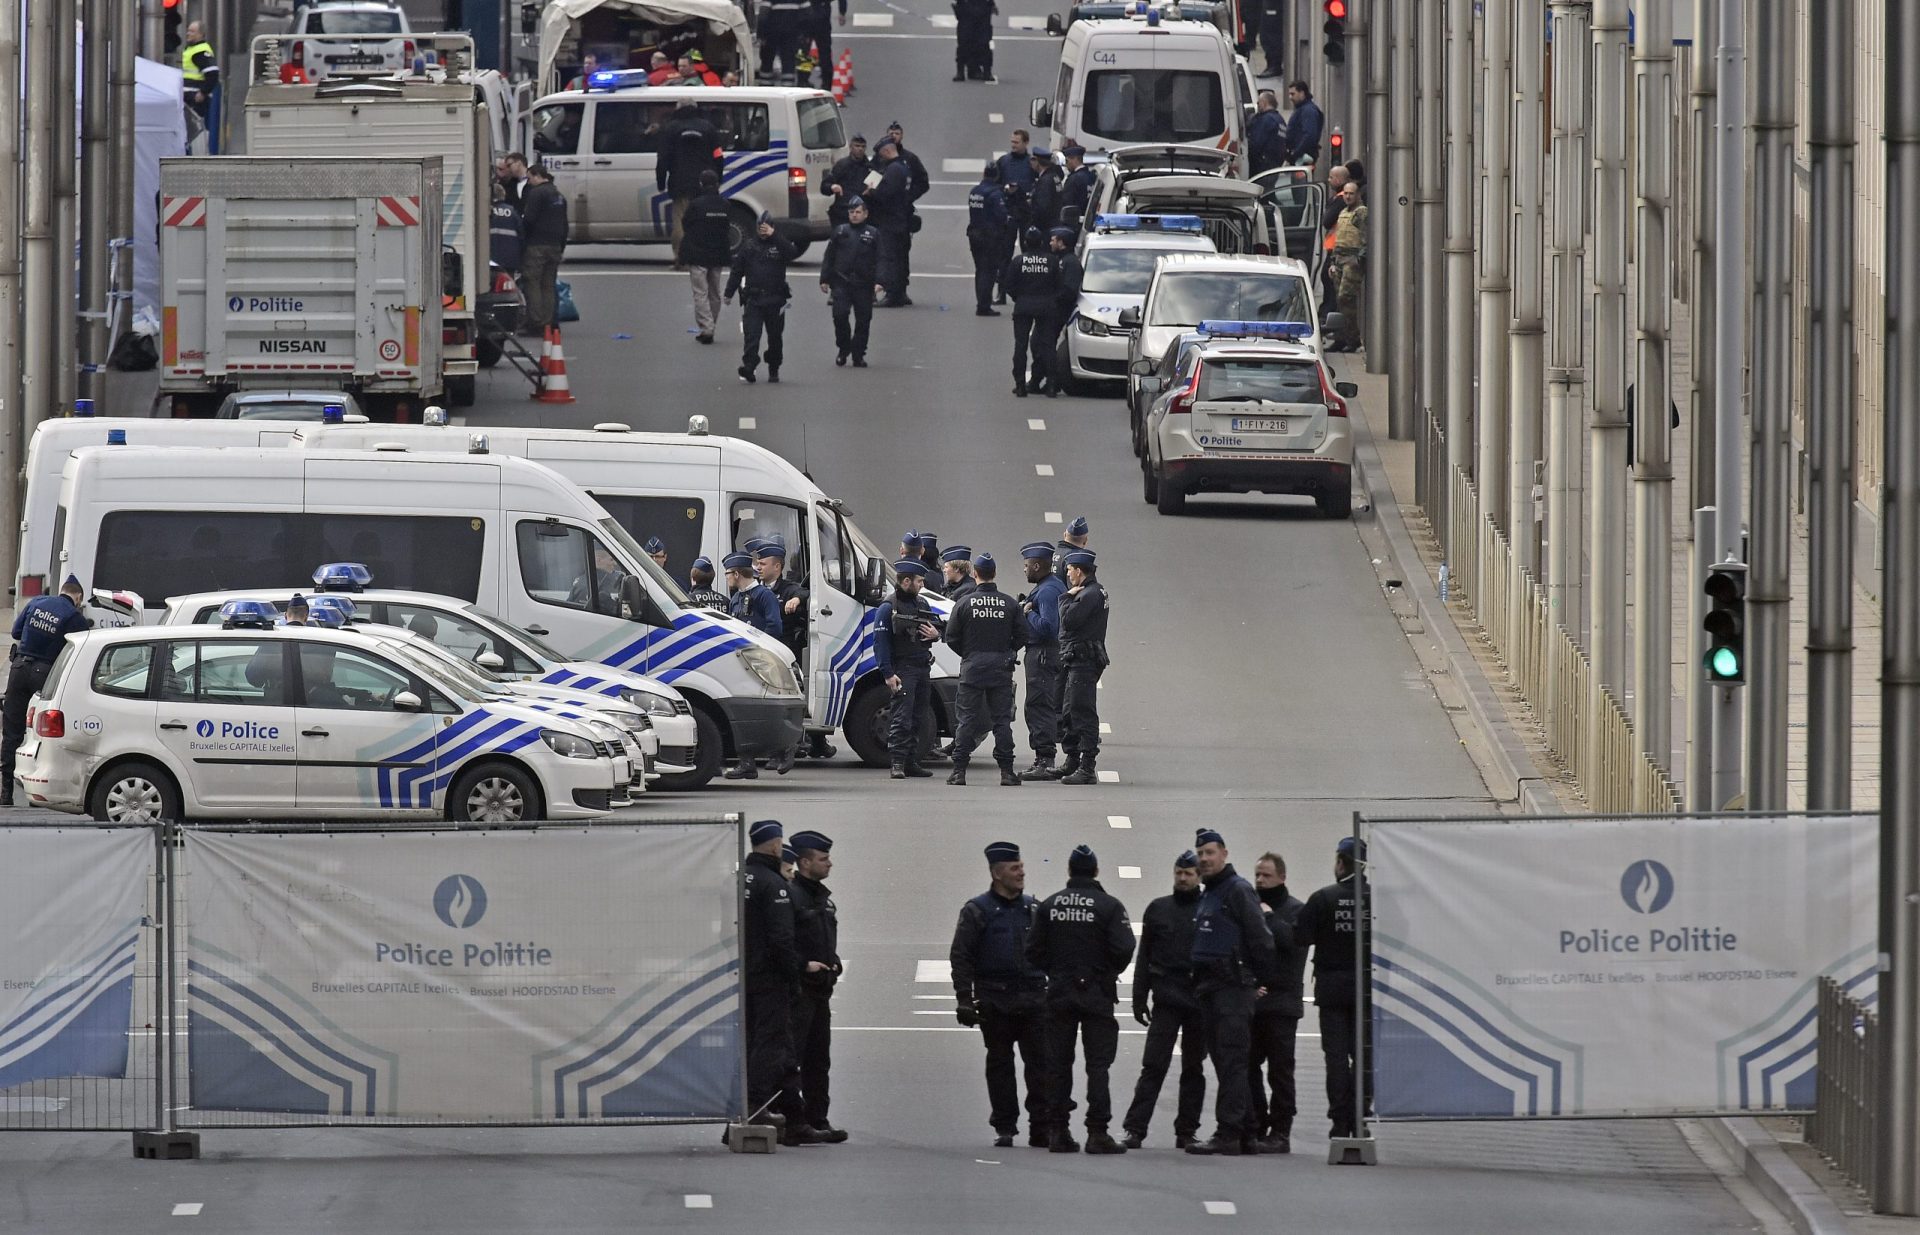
(505, 534)
(706, 495)
(137, 724)
(605, 143)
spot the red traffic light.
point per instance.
(1336, 8)
(1338, 141)
(170, 4)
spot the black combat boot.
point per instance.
(1098, 1142)
(899, 771)
(1225, 1146)
(959, 774)
(1083, 771)
(1134, 1140)
(1062, 1142)
(1009, 777)
(915, 770)
(1042, 768)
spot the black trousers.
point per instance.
(1043, 699)
(1005, 1026)
(820, 30)
(973, 40)
(904, 711)
(771, 1072)
(813, 1043)
(1046, 342)
(1171, 1024)
(1273, 39)
(988, 250)
(1227, 1013)
(852, 318)
(780, 33)
(895, 242)
(1030, 330)
(981, 707)
(753, 319)
(1274, 1101)
(1080, 708)
(1069, 1019)
(1338, 1037)
(24, 680)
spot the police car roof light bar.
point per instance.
(321, 615)
(1257, 330)
(1149, 223)
(116, 437)
(333, 414)
(342, 577)
(332, 604)
(248, 613)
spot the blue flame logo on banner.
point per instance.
(1646, 886)
(460, 901)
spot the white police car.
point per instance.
(1117, 255)
(257, 720)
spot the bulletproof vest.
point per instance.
(1216, 937)
(1003, 944)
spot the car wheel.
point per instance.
(1170, 498)
(134, 793)
(487, 352)
(866, 726)
(494, 793)
(462, 390)
(707, 753)
(740, 225)
(1149, 483)
(1335, 503)
(1063, 366)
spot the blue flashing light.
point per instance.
(83, 407)
(334, 414)
(116, 437)
(337, 605)
(1191, 223)
(258, 614)
(342, 577)
(325, 615)
(1153, 17)
(1257, 330)
(605, 79)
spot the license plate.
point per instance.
(361, 59)
(1260, 424)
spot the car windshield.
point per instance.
(529, 642)
(1286, 381)
(1198, 296)
(470, 682)
(1119, 272)
(351, 21)
(864, 546)
(1147, 105)
(279, 409)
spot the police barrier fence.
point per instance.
(1845, 1120)
(1611, 966)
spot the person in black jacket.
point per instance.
(846, 180)
(1043, 197)
(503, 230)
(1082, 939)
(891, 201)
(770, 968)
(543, 221)
(704, 251)
(1032, 279)
(973, 40)
(997, 989)
(1083, 658)
(1276, 1014)
(850, 273)
(988, 630)
(989, 237)
(760, 278)
(816, 934)
(688, 145)
(1164, 1002)
(1233, 956)
(904, 632)
(1325, 924)
(1065, 301)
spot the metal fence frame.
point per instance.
(1844, 1124)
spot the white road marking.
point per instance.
(1043, 469)
(749, 422)
(1105, 728)
(1108, 776)
(1113, 821)
(934, 1012)
(187, 1209)
(1052, 516)
(699, 1200)
(1129, 872)
(960, 165)
(872, 19)
(943, 21)
(994, 117)
(912, 1029)
(948, 38)
(949, 998)
(933, 971)
(1026, 23)
(986, 1162)
(1223, 1209)
(1038, 426)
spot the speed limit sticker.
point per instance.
(389, 349)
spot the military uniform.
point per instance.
(1325, 924)
(987, 631)
(998, 988)
(1163, 999)
(1233, 954)
(816, 929)
(770, 968)
(904, 653)
(1349, 254)
(1276, 1024)
(1083, 658)
(1082, 939)
(40, 631)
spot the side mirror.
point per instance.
(638, 604)
(407, 701)
(490, 660)
(1347, 390)
(1130, 319)
(1142, 367)
(1041, 114)
(1149, 385)
(1335, 323)
(873, 579)
(1055, 26)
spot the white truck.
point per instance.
(431, 107)
(303, 271)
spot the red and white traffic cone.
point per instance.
(839, 86)
(846, 62)
(553, 371)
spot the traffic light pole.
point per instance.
(1383, 260)
(1730, 355)
(1396, 204)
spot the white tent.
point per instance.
(558, 19)
(160, 131)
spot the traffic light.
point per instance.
(1725, 623)
(171, 30)
(1337, 145)
(1336, 28)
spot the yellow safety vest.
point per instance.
(189, 68)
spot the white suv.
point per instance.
(1188, 288)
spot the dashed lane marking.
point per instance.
(872, 19)
(943, 21)
(1105, 728)
(1043, 469)
(188, 1209)
(1026, 23)
(933, 971)
(749, 422)
(1107, 776)
(994, 117)
(1052, 516)
(1222, 1209)
(699, 1200)
(1119, 821)
(959, 165)
(1038, 426)
(1129, 872)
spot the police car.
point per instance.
(252, 719)
(1117, 256)
(1246, 407)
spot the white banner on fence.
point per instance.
(1612, 966)
(72, 901)
(492, 976)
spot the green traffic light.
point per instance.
(1724, 663)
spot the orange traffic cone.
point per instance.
(846, 61)
(553, 371)
(839, 86)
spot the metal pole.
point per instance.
(1382, 258)
(152, 28)
(1607, 438)
(1496, 45)
(1429, 46)
(1729, 354)
(1459, 209)
(1354, 80)
(1896, 1181)
(120, 270)
(1704, 192)
(1652, 430)
(66, 188)
(96, 192)
(1526, 332)
(38, 304)
(1567, 376)
(1770, 532)
(1700, 796)
(1402, 398)
(12, 442)
(1830, 419)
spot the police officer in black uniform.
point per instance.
(40, 630)
(783, 23)
(997, 989)
(1233, 957)
(988, 630)
(846, 179)
(1276, 1015)
(1083, 658)
(1041, 604)
(850, 273)
(792, 596)
(760, 279)
(771, 968)
(973, 40)
(1082, 939)
(1065, 300)
(989, 237)
(1043, 197)
(891, 201)
(700, 589)
(1164, 1002)
(905, 629)
(956, 564)
(1325, 924)
(1032, 279)
(1076, 189)
(816, 936)
(1073, 536)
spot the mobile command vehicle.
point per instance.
(606, 142)
(507, 535)
(141, 724)
(278, 270)
(1145, 78)
(432, 107)
(706, 495)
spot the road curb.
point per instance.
(1520, 779)
(1767, 1166)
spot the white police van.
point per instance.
(256, 720)
(605, 143)
(705, 495)
(506, 534)
(1118, 253)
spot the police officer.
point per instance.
(297, 611)
(1043, 196)
(819, 29)
(999, 990)
(700, 588)
(1276, 1015)
(928, 546)
(1076, 189)
(1065, 300)
(816, 935)
(1082, 939)
(1349, 267)
(770, 564)
(770, 967)
(956, 565)
(1032, 279)
(1083, 658)
(891, 201)
(754, 603)
(1233, 957)
(199, 69)
(1073, 536)
(788, 861)
(850, 273)
(1041, 605)
(845, 180)
(40, 630)
(1325, 924)
(988, 631)
(783, 24)
(973, 39)
(904, 632)
(989, 235)
(657, 550)
(760, 278)
(503, 230)
(1163, 1001)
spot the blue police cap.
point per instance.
(298, 602)
(1187, 861)
(856, 202)
(765, 830)
(1067, 234)
(766, 216)
(771, 548)
(703, 562)
(1036, 548)
(788, 855)
(1203, 837)
(1074, 151)
(1078, 527)
(1081, 861)
(1039, 152)
(738, 561)
(811, 842)
(927, 540)
(753, 543)
(1347, 846)
(342, 577)
(1002, 851)
(956, 553)
(910, 566)
(1080, 557)
(654, 545)
(984, 562)
(910, 537)
(72, 581)
(884, 143)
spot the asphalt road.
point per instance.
(1260, 685)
